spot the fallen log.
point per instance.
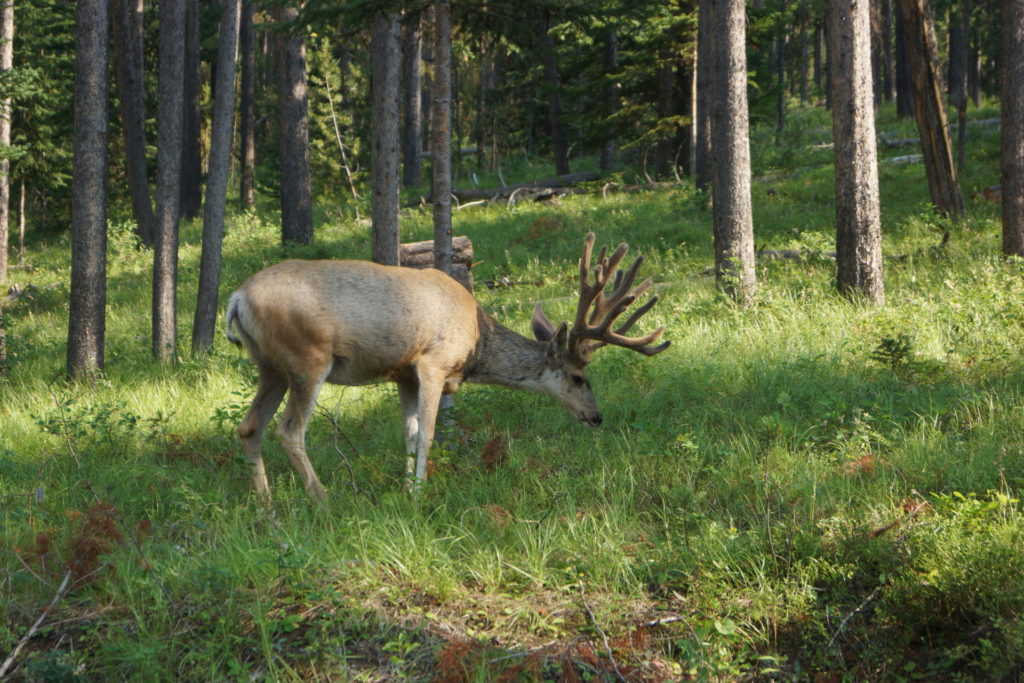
(422, 253)
(556, 183)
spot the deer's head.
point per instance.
(569, 351)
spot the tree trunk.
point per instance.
(128, 44)
(929, 108)
(877, 53)
(780, 77)
(170, 124)
(686, 80)
(664, 155)
(959, 52)
(485, 85)
(6, 64)
(441, 172)
(611, 90)
(191, 160)
(1013, 127)
(441, 140)
(217, 178)
(412, 110)
(730, 190)
(553, 84)
(827, 67)
(974, 74)
(888, 60)
(858, 218)
(87, 304)
(819, 29)
(804, 58)
(702, 164)
(21, 221)
(384, 156)
(904, 83)
(247, 100)
(293, 115)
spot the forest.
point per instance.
(799, 458)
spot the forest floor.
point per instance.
(807, 488)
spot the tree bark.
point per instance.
(247, 100)
(87, 305)
(858, 218)
(128, 42)
(217, 178)
(191, 160)
(611, 92)
(412, 109)
(553, 84)
(904, 83)
(1012, 161)
(170, 124)
(959, 52)
(686, 80)
(875, 23)
(819, 30)
(780, 73)
(929, 108)
(664, 151)
(6, 64)
(441, 137)
(485, 85)
(293, 115)
(733, 216)
(384, 157)
(702, 165)
(888, 60)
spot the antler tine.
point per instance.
(623, 281)
(591, 332)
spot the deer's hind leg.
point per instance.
(269, 392)
(302, 394)
(408, 394)
(431, 385)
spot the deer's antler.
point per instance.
(596, 311)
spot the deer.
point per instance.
(353, 322)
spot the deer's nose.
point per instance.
(592, 420)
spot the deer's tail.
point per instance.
(232, 317)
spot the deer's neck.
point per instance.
(506, 358)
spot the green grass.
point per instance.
(805, 487)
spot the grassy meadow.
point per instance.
(809, 488)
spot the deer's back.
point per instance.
(374, 321)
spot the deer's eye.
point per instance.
(577, 380)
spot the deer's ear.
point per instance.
(557, 343)
(543, 330)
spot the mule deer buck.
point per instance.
(354, 322)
